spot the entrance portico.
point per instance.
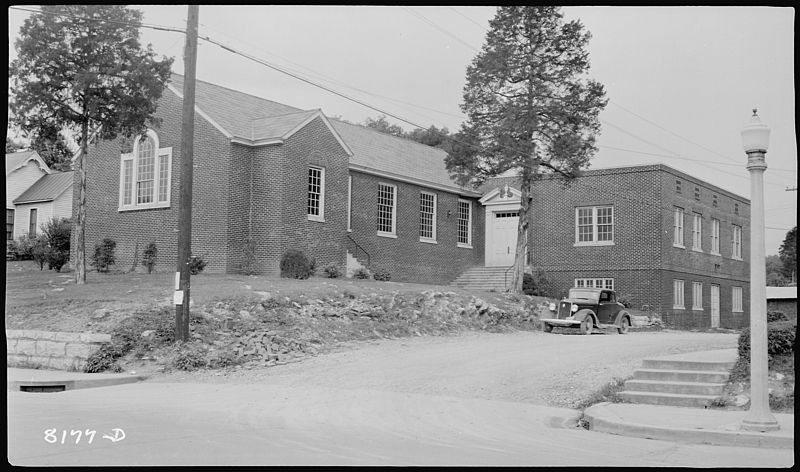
(502, 207)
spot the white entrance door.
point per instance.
(715, 306)
(504, 240)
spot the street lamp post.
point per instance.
(755, 140)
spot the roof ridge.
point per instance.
(402, 138)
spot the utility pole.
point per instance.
(182, 276)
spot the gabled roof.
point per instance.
(15, 160)
(251, 120)
(46, 189)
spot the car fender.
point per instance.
(581, 315)
(622, 314)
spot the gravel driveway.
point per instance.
(532, 367)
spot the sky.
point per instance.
(681, 81)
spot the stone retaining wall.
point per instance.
(51, 350)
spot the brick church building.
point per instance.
(288, 178)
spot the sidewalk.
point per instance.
(57, 380)
(685, 424)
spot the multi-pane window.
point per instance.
(697, 232)
(387, 206)
(607, 283)
(464, 223)
(594, 225)
(736, 243)
(32, 223)
(677, 226)
(349, 202)
(427, 216)
(316, 193)
(145, 175)
(9, 224)
(715, 236)
(677, 294)
(736, 300)
(697, 296)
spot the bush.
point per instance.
(196, 264)
(40, 251)
(773, 316)
(57, 259)
(381, 274)
(361, 273)
(150, 256)
(103, 256)
(295, 264)
(780, 340)
(22, 248)
(333, 270)
(58, 231)
(536, 284)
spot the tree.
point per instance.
(81, 69)
(774, 268)
(12, 146)
(788, 253)
(529, 106)
(52, 147)
(433, 136)
(382, 125)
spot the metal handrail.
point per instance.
(505, 274)
(359, 246)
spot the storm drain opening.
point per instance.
(42, 388)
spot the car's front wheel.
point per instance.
(624, 326)
(587, 325)
(548, 328)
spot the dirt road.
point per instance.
(532, 367)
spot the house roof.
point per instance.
(15, 160)
(46, 189)
(252, 120)
(782, 293)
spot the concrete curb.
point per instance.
(55, 383)
(601, 418)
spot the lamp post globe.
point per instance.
(755, 141)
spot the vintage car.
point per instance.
(587, 308)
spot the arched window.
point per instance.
(145, 175)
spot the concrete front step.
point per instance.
(681, 375)
(672, 399)
(661, 386)
(687, 365)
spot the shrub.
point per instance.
(58, 231)
(103, 256)
(333, 270)
(150, 256)
(189, 356)
(381, 274)
(361, 273)
(22, 248)
(780, 340)
(196, 264)
(57, 259)
(773, 316)
(40, 251)
(536, 284)
(105, 359)
(295, 264)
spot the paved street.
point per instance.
(376, 413)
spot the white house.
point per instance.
(34, 194)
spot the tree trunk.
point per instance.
(522, 230)
(80, 242)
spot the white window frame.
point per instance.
(393, 232)
(594, 225)
(594, 282)
(678, 294)
(677, 228)
(349, 203)
(697, 296)
(697, 232)
(715, 237)
(432, 238)
(161, 154)
(320, 216)
(736, 300)
(736, 243)
(468, 243)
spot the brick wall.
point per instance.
(405, 257)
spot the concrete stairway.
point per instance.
(483, 278)
(678, 382)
